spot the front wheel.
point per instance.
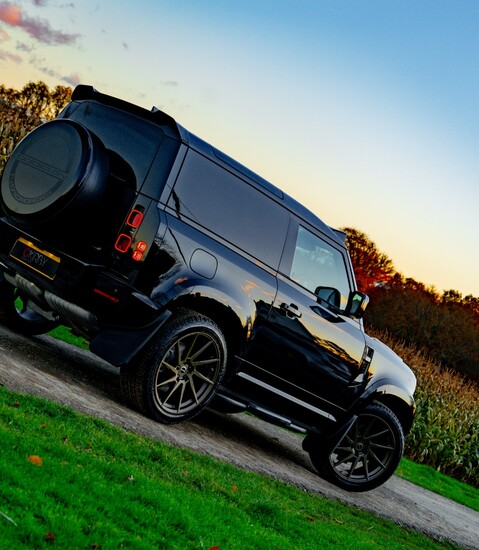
(177, 374)
(16, 313)
(367, 455)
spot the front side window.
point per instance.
(320, 268)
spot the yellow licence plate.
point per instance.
(39, 260)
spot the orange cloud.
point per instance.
(37, 28)
(10, 13)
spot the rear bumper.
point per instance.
(83, 294)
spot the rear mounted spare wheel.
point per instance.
(58, 168)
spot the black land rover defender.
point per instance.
(205, 284)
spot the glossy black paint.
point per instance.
(220, 241)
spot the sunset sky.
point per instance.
(367, 111)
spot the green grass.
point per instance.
(98, 486)
(432, 480)
(65, 334)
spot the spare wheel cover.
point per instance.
(58, 164)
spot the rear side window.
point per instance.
(231, 208)
(318, 266)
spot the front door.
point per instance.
(311, 357)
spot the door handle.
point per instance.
(291, 310)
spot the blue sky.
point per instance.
(365, 111)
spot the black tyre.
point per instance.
(367, 455)
(58, 168)
(16, 314)
(177, 374)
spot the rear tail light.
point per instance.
(123, 243)
(135, 217)
(139, 251)
(125, 239)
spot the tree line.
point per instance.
(22, 110)
(445, 325)
(36, 99)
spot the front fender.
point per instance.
(388, 373)
(400, 401)
(383, 389)
(390, 381)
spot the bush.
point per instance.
(13, 127)
(448, 332)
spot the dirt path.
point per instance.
(48, 368)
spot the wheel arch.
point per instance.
(231, 316)
(398, 400)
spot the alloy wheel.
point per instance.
(187, 373)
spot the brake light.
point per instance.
(123, 243)
(141, 246)
(135, 217)
(125, 238)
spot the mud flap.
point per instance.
(328, 441)
(120, 346)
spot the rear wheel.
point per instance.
(177, 375)
(16, 312)
(367, 455)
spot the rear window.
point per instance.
(134, 140)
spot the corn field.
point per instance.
(445, 433)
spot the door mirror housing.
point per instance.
(328, 296)
(357, 304)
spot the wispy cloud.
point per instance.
(7, 56)
(22, 47)
(70, 79)
(37, 28)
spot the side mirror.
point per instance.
(357, 304)
(328, 296)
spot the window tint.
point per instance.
(134, 140)
(318, 264)
(228, 206)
